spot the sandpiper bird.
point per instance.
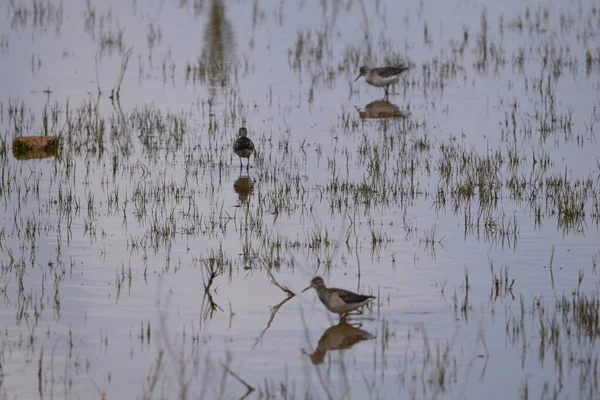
(383, 76)
(338, 301)
(243, 146)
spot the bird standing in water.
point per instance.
(338, 301)
(382, 76)
(243, 146)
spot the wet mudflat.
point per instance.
(138, 260)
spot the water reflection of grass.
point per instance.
(466, 179)
(470, 183)
(428, 368)
(165, 180)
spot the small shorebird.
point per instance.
(338, 301)
(383, 76)
(243, 146)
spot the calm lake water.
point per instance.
(137, 260)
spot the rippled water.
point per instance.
(139, 261)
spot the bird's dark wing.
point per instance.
(250, 144)
(351, 297)
(392, 71)
(243, 143)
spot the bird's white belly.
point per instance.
(380, 81)
(340, 307)
(245, 153)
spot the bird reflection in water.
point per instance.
(380, 109)
(339, 337)
(243, 186)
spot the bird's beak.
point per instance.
(307, 288)
(357, 78)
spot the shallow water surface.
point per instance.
(138, 260)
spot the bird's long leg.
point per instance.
(356, 312)
(241, 163)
